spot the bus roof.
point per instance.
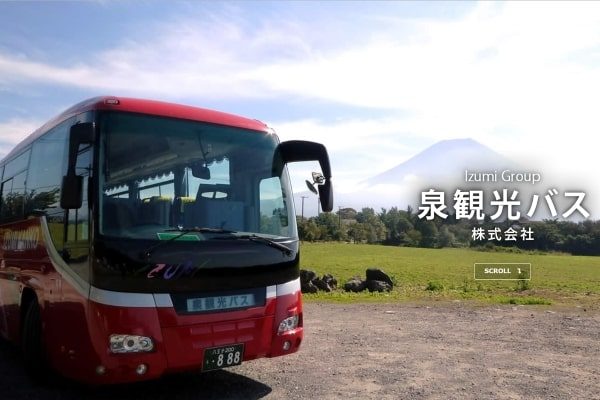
(141, 106)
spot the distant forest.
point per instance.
(396, 227)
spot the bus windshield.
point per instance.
(161, 176)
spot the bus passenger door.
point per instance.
(69, 347)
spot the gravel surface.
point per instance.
(389, 351)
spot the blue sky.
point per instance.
(376, 82)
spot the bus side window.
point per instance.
(13, 198)
(47, 166)
(5, 202)
(273, 212)
(13, 188)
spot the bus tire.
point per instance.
(31, 342)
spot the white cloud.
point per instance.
(511, 61)
(206, 57)
(511, 77)
(13, 131)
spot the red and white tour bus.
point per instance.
(139, 238)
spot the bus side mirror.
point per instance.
(71, 193)
(301, 150)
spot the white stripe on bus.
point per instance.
(122, 299)
(290, 287)
(125, 299)
(163, 300)
(271, 291)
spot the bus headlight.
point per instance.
(130, 344)
(288, 324)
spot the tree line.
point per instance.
(397, 227)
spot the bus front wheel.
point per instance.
(31, 341)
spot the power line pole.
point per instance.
(318, 206)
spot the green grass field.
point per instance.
(447, 274)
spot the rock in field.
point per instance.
(355, 285)
(309, 287)
(375, 274)
(321, 284)
(378, 286)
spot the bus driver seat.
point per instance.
(211, 211)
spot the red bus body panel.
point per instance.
(178, 347)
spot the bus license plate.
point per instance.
(222, 357)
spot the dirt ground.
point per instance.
(389, 351)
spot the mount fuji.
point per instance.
(445, 159)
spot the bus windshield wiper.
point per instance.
(260, 239)
(182, 231)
